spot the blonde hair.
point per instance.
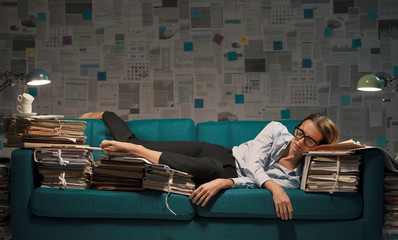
(326, 126)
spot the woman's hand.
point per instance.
(94, 115)
(283, 206)
(207, 190)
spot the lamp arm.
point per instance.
(388, 83)
(10, 82)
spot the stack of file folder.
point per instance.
(64, 167)
(331, 172)
(163, 178)
(38, 132)
(119, 172)
(5, 230)
(391, 201)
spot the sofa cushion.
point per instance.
(258, 203)
(88, 203)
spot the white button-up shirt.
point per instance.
(257, 160)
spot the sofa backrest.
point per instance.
(229, 134)
(153, 129)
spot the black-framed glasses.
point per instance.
(308, 141)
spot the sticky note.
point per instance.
(239, 99)
(232, 56)
(87, 15)
(381, 141)
(101, 76)
(285, 114)
(188, 46)
(1, 145)
(67, 40)
(244, 40)
(278, 45)
(308, 13)
(356, 43)
(199, 103)
(32, 91)
(328, 32)
(372, 14)
(307, 63)
(41, 16)
(1, 129)
(30, 52)
(345, 99)
(196, 13)
(162, 29)
(218, 38)
(395, 70)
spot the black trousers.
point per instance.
(205, 161)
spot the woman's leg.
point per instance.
(204, 161)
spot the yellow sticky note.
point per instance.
(244, 40)
(30, 52)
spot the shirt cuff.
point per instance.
(261, 178)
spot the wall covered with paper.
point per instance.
(209, 60)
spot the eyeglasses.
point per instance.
(308, 141)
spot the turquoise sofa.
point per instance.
(42, 213)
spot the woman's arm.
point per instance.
(283, 205)
(207, 190)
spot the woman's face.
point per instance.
(304, 137)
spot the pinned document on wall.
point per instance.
(218, 38)
(285, 114)
(244, 40)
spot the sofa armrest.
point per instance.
(372, 187)
(22, 184)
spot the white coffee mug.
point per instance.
(24, 108)
(25, 98)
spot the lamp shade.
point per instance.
(370, 83)
(38, 77)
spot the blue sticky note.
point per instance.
(32, 91)
(381, 141)
(87, 15)
(162, 29)
(232, 56)
(285, 114)
(308, 13)
(41, 16)
(372, 14)
(328, 32)
(199, 103)
(356, 43)
(395, 70)
(1, 129)
(278, 45)
(1, 145)
(239, 99)
(307, 63)
(196, 13)
(101, 76)
(345, 99)
(188, 46)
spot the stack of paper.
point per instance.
(119, 172)
(328, 172)
(64, 167)
(5, 231)
(163, 178)
(391, 201)
(38, 132)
